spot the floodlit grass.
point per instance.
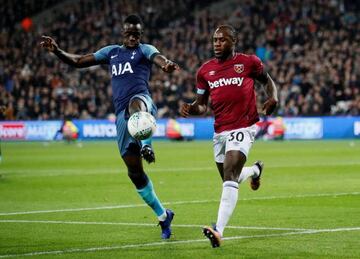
(76, 201)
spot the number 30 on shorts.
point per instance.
(236, 135)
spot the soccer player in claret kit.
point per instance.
(130, 67)
(228, 80)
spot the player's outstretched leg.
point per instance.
(145, 189)
(166, 224)
(255, 180)
(165, 216)
(213, 235)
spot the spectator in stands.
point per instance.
(311, 48)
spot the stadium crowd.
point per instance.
(311, 49)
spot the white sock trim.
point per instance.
(162, 217)
(256, 170)
(231, 184)
(246, 172)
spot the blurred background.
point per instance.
(310, 48)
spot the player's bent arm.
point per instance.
(78, 61)
(159, 60)
(271, 91)
(269, 85)
(199, 106)
(270, 88)
(165, 64)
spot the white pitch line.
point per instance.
(102, 208)
(153, 244)
(98, 171)
(141, 224)
(314, 231)
(69, 171)
(302, 196)
(180, 203)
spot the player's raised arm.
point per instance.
(78, 61)
(165, 64)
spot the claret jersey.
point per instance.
(230, 85)
(130, 70)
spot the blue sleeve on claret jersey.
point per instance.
(200, 91)
(103, 53)
(148, 50)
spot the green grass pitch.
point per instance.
(76, 201)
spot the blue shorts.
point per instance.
(126, 143)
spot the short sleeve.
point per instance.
(103, 53)
(149, 51)
(201, 84)
(257, 66)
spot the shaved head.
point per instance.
(132, 31)
(224, 40)
(227, 28)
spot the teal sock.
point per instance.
(149, 196)
(146, 142)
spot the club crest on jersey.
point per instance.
(211, 73)
(239, 68)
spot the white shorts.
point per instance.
(239, 139)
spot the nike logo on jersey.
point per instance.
(121, 69)
(226, 81)
(113, 56)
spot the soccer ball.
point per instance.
(141, 125)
